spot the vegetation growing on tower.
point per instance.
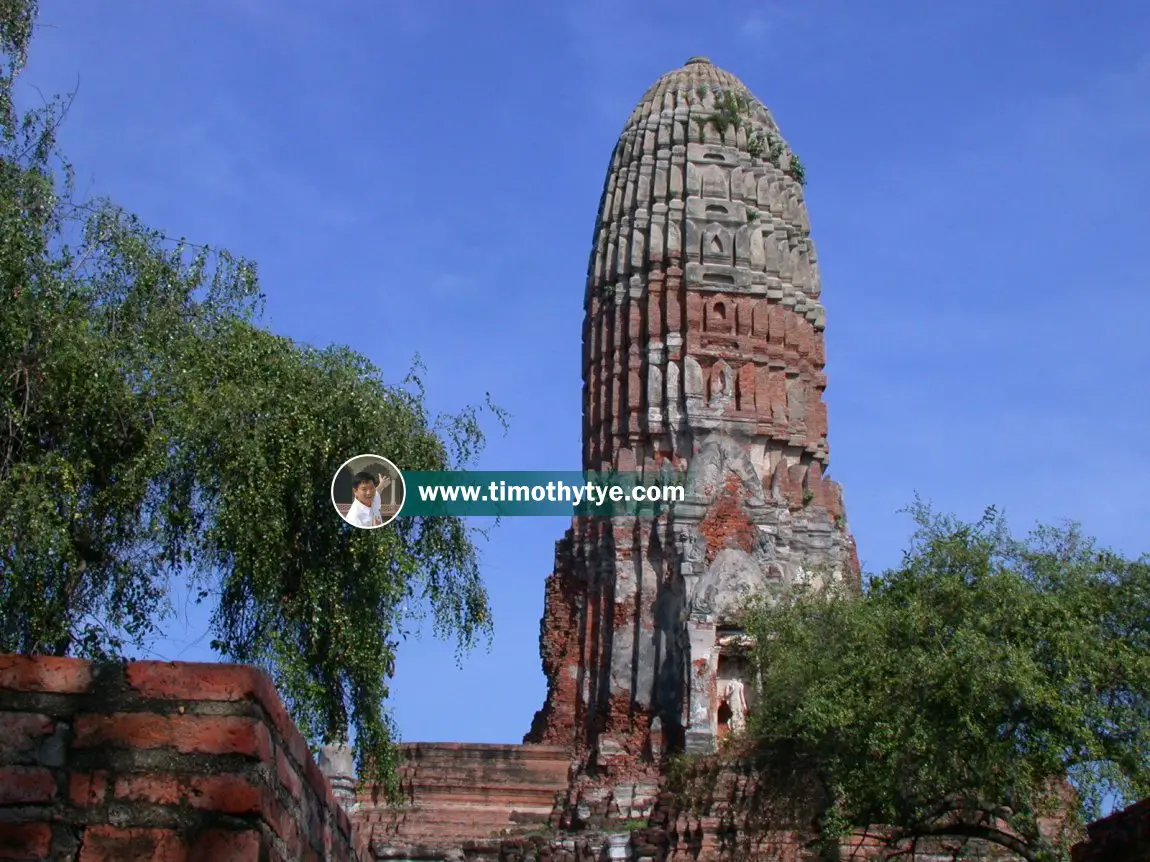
(733, 109)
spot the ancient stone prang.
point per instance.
(703, 357)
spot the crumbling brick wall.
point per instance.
(190, 762)
(157, 761)
(1124, 836)
(463, 794)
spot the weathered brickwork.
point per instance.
(703, 358)
(465, 795)
(154, 761)
(1124, 836)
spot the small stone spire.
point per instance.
(337, 764)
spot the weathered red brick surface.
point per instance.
(726, 524)
(460, 794)
(216, 777)
(704, 356)
(156, 761)
(1124, 836)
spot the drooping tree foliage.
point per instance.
(989, 689)
(153, 435)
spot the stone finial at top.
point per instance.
(697, 72)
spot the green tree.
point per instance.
(152, 435)
(953, 700)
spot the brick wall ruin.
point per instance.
(460, 795)
(156, 761)
(183, 762)
(1124, 836)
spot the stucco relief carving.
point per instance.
(735, 697)
(718, 456)
(722, 386)
(733, 577)
(692, 547)
(735, 574)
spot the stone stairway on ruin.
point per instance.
(460, 793)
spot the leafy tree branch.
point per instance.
(990, 689)
(153, 433)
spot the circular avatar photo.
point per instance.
(367, 491)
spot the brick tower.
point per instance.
(702, 355)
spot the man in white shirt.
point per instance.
(364, 511)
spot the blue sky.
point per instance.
(978, 191)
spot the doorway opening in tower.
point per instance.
(724, 722)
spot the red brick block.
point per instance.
(269, 699)
(87, 788)
(45, 674)
(110, 844)
(25, 841)
(220, 845)
(188, 734)
(287, 775)
(342, 822)
(21, 732)
(160, 789)
(228, 794)
(296, 841)
(317, 781)
(26, 785)
(216, 682)
(192, 681)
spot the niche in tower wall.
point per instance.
(734, 692)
